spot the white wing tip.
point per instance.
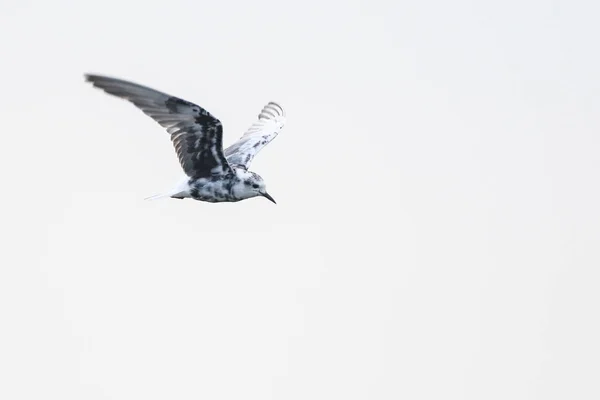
(272, 111)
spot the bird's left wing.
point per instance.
(270, 121)
(196, 135)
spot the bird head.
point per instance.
(253, 185)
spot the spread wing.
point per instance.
(195, 133)
(270, 121)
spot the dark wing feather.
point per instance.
(196, 135)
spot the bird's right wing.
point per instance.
(195, 133)
(270, 121)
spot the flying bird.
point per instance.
(211, 173)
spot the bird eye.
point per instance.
(255, 186)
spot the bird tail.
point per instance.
(158, 196)
(181, 191)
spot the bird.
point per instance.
(212, 174)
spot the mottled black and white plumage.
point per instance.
(212, 174)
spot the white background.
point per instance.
(437, 228)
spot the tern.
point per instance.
(211, 174)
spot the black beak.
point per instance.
(268, 196)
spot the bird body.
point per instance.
(212, 174)
(235, 186)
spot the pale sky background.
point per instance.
(437, 233)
